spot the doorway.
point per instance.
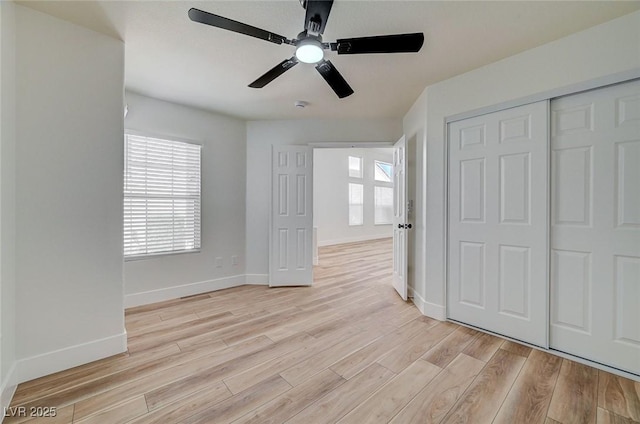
(359, 200)
(367, 182)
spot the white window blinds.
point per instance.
(383, 205)
(161, 196)
(356, 204)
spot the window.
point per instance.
(355, 167)
(356, 204)
(161, 196)
(356, 192)
(383, 205)
(383, 193)
(383, 171)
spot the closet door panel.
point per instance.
(595, 234)
(498, 226)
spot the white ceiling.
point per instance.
(169, 57)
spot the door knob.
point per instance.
(405, 226)
(408, 226)
(400, 226)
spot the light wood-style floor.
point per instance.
(346, 350)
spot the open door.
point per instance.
(290, 246)
(400, 224)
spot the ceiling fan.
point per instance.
(310, 47)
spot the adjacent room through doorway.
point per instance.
(353, 198)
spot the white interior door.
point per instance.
(595, 218)
(400, 224)
(498, 226)
(290, 247)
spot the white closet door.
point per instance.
(498, 229)
(595, 217)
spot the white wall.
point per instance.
(7, 201)
(223, 203)
(69, 170)
(596, 53)
(261, 135)
(331, 195)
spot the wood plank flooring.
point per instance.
(346, 350)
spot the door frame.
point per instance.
(344, 145)
(320, 145)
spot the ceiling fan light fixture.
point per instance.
(309, 50)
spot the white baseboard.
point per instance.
(257, 279)
(416, 299)
(175, 292)
(354, 239)
(69, 357)
(427, 308)
(7, 389)
(435, 311)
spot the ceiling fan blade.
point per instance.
(317, 15)
(398, 43)
(334, 79)
(197, 15)
(274, 72)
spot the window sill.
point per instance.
(158, 255)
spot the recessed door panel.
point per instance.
(572, 120)
(572, 186)
(301, 248)
(627, 182)
(473, 136)
(472, 273)
(283, 195)
(627, 279)
(628, 110)
(515, 129)
(515, 281)
(283, 248)
(571, 282)
(301, 195)
(472, 191)
(283, 159)
(515, 188)
(301, 159)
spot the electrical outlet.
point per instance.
(235, 260)
(218, 262)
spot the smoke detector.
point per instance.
(301, 104)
